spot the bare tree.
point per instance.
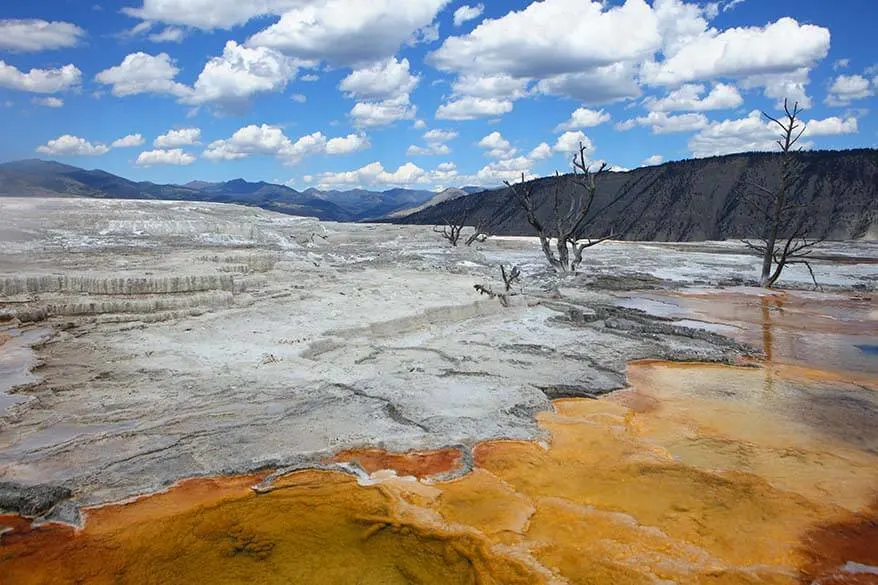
(784, 240)
(509, 279)
(452, 231)
(566, 226)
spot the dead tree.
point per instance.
(480, 234)
(566, 226)
(784, 241)
(452, 231)
(511, 277)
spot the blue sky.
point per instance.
(422, 93)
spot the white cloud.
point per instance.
(129, 141)
(40, 80)
(790, 86)
(38, 35)
(171, 34)
(208, 14)
(652, 161)
(436, 140)
(370, 114)
(754, 133)
(230, 80)
(466, 13)
(841, 64)
(553, 37)
(847, 88)
(831, 126)
(68, 145)
(584, 118)
(271, 141)
(49, 102)
(299, 98)
(569, 143)
(143, 73)
(419, 125)
(347, 32)
(779, 47)
(347, 144)
(374, 175)
(540, 152)
(470, 108)
(309, 77)
(383, 80)
(664, 123)
(497, 147)
(689, 98)
(175, 157)
(177, 138)
(602, 85)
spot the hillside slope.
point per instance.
(699, 199)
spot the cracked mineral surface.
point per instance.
(147, 343)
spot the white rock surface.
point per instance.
(195, 339)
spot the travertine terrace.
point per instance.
(183, 339)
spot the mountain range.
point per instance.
(39, 178)
(689, 200)
(692, 200)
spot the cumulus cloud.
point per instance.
(584, 118)
(470, 108)
(375, 175)
(781, 46)
(383, 113)
(383, 89)
(68, 145)
(383, 80)
(543, 39)
(232, 79)
(347, 144)
(208, 14)
(38, 35)
(466, 13)
(664, 123)
(171, 34)
(540, 152)
(49, 102)
(435, 140)
(143, 73)
(690, 97)
(847, 88)
(653, 160)
(129, 141)
(299, 98)
(177, 138)
(832, 126)
(174, 157)
(569, 143)
(496, 146)
(755, 133)
(347, 32)
(40, 80)
(271, 141)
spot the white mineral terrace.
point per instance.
(184, 339)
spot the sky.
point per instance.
(425, 94)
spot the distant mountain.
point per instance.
(371, 204)
(441, 197)
(698, 199)
(39, 178)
